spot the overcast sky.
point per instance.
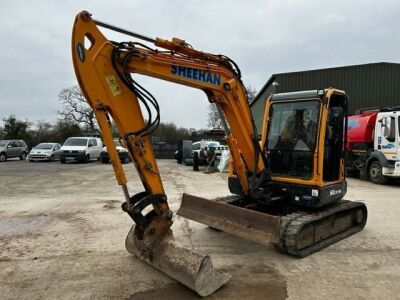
(263, 37)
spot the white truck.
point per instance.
(82, 149)
(373, 144)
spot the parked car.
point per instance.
(82, 149)
(45, 151)
(13, 148)
(122, 153)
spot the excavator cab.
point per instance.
(304, 138)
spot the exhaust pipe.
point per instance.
(191, 268)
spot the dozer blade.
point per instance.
(245, 223)
(193, 269)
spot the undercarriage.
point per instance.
(295, 231)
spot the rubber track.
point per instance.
(293, 224)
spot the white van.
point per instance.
(81, 149)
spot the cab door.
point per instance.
(385, 135)
(94, 148)
(334, 143)
(12, 149)
(57, 151)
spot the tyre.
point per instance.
(364, 173)
(352, 172)
(195, 161)
(104, 160)
(375, 173)
(51, 157)
(62, 160)
(84, 159)
(3, 157)
(22, 156)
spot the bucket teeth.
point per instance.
(191, 268)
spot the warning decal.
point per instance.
(113, 85)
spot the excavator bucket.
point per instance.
(244, 223)
(191, 268)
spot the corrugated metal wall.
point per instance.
(370, 85)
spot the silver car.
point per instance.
(13, 148)
(45, 151)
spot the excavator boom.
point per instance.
(102, 69)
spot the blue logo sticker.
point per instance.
(81, 52)
(196, 74)
(388, 146)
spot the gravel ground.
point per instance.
(62, 236)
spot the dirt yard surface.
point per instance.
(62, 236)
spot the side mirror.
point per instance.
(90, 145)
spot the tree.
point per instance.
(251, 93)
(14, 128)
(43, 132)
(214, 119)
(64, 129)
(34, 133)
(76, 109)
(170, 133)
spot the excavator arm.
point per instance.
(103, 69)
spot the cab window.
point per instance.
(292, 137)
(196, 146)
(398, 123)
(389, 128)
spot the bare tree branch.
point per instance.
(76, 109)
(214, 120)
(251, 93)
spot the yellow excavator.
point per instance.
(287, 185)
